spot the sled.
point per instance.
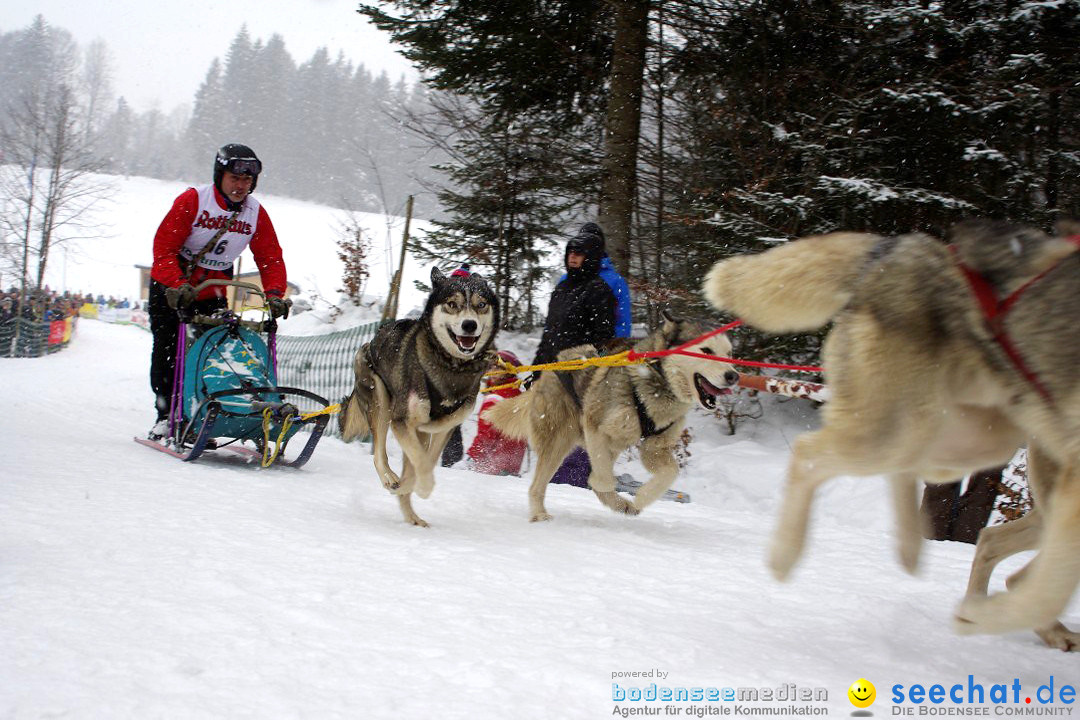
(225, 391)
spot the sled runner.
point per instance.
(225, 391)
(627, 484)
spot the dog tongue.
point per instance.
(467, 341)
(710, 388)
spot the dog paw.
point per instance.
(1003, 612)
(1060, 637)
(541, 517)
(617, 503)
(964, 626)
(417, 521)
(981, 615)
(909, 554)
(781, 563)
(390, 480)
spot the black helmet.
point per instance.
(239, 160)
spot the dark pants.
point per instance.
(960, 517)
(164, 328)
(574, 470)
(576, 467)
(455, 448)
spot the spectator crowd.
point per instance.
(45, 305)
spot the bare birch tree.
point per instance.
(47, 185)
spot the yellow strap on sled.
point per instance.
(328, 410)
(267, 461)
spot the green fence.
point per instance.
(34, 338)
(322, 364)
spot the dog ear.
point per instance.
(437, 277)
(670, 324)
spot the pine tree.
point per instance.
(117, 138)
(312, 133)
(239, 86)
(788, 119)
(504, 210)
(590, 75)
(274, 78)
(209, 116)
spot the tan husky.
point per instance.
(941, 361)
(609, 409)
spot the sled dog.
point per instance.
(420, 379)
(609, 409)
(942, 360)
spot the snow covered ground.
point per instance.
(133, 585)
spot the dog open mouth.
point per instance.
(465, 343)
(707, 392)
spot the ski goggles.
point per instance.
(244, 166)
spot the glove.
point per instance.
(180, 296)
(279, 308)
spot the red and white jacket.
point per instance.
(492, 452)
(195, 217)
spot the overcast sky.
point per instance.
(161, 50)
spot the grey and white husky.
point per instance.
(942, 360)
(609, 409)
(420, 379)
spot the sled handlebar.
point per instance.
(250, 287)
(259, 326)
(209, 320)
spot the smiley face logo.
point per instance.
(862, 693)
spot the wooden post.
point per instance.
(239, 272)
(391, 307)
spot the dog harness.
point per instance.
(994, 311)
(437, 410)
(568, 385)
(648, 425)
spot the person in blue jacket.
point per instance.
(590, 305)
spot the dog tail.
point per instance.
(796, 287)
(511, 416)
(353, 418)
